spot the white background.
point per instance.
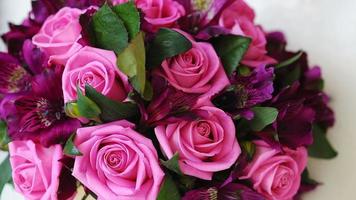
(326, 29)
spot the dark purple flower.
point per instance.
(39, 114)
(295, 118)
(212, 31)
(34, 58)
(231, 191)
(83, 4)
(86, 24)
(42, 9)
(287, 75)
(13, 77)
(324, 115)
(246, 92)
(67, 182)
(299, 87)
(17, 35)
(169, 103)
(200, 13)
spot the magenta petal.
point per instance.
(34, 58)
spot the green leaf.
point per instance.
(132, 63)
(148, 93)
(172, 164)
(263, 116)
(4, 137)
(231, 49)
(110, 31)
(248, 147)
(129, 14)
(5, 169)
(70, 149)
(321, 147)
(167, 43)
(289, 61)
(306, 178)
(85, 106)
(169, 189)
(291, 77)
(111, 110)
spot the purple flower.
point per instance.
(168, 102)
(324, 115)
(83, 4)
(295, 119)
(200, 14)
(300, 99)
(35, 59)
(41, 9)
(312, 83)
(39, 113)
(17, 35)
(246, 92)
(287, 75)
(85, 22)
(231, 191)
(13, 77)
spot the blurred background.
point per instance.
(326, 29)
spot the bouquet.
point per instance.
(157, 99)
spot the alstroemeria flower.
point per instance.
(13, 77)
(295, 119)
(231, 191)
(39, 113)
(246, 92)
(200, 13)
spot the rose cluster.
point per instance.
(158, 99)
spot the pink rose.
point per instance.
(96, 67)
(59, 35)
(35, 169)
(205, 145)
(117, 162)
(158, 13)
(198, 70)
(276, 174)
(239, 19)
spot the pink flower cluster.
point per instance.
(198, 113)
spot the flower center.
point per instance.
(202, 5)
(242, 96)
(47, 113)
(38, 113)
(13, 78)
(213, 193)
(25, 184)
(284, 181)
(115, 160)
(204, 129)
